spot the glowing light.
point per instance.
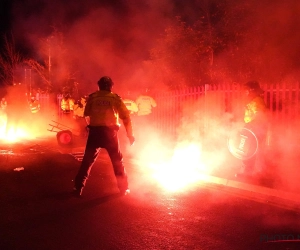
(14, 132)
(182, 170)
(2, 126)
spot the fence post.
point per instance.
(297, 98)
(59, 110)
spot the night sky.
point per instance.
(5, 8)
(100, 36)
(26, 19)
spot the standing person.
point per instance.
(34, 105)
(3, 116)
(78, 115)
(145, 104)
(67, 105)
(78, 108)
(3, 104)
(144, 118)
(130, 104)
(103, 110)
(256, 120)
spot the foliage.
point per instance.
(179, 55)
(10, 58)
(54, 69)
(191, 55)
(42, 72)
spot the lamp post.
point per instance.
(28, 81)
(49, 58)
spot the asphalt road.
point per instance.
(38, 210)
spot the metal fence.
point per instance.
(45, 101)
(206, 106)
(218, 102)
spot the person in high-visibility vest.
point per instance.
(78, 115)
(3, 116)
(3, 104)
(78, 108)
(256, 120)
(145, 104)
(131, 106)
(103, 111)
(34, 105)
(67, 104)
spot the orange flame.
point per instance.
(12, 133)
(182, 170)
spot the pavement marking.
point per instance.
(77, 155)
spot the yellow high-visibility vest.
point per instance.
(105, 108)
(255, 108)
(67, 105)
(131, 105)
(34, 106)
(145, 104)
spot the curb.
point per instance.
(271, 196)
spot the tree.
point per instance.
(54, 69)
(203, 51)
(180, 56)
(10, 58)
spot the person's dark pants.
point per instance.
(102, 137)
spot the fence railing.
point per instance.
(44, 100)
(201, 104)
(205, 106)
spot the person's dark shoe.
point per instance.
(77, 191)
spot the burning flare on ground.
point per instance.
(13, 132)
(183, 169)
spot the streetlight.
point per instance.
(49, 57)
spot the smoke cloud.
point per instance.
(101, 38)
(114, 38)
